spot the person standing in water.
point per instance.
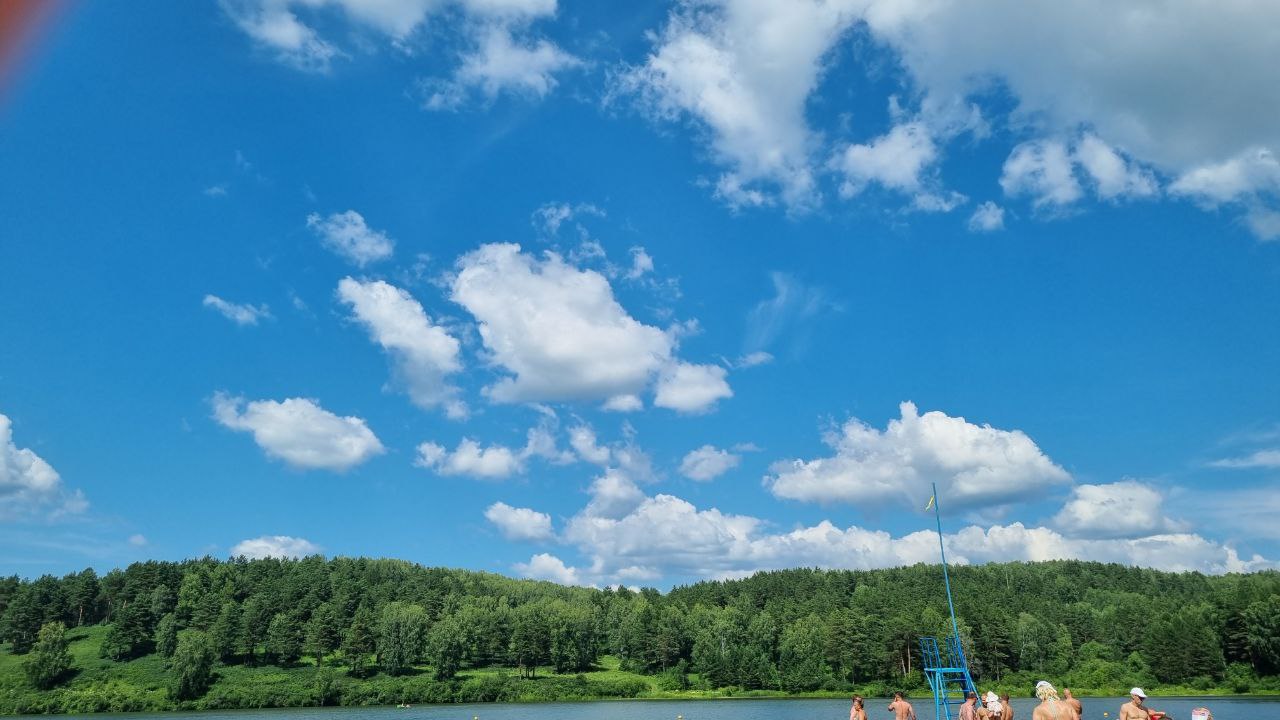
(1007, 713)
(1135, 708)
(1051, 707)
(857, 712)
(902, 709)
(969, 710)
(1071, 700)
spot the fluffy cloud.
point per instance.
(240, 314)
(424, 353)
(690, 388)
(665, 535)
(707, 463)
(972, 464)
(1049, 171)
(469, 458)
(544, 566)
(1106, 67)
(519, 523)
(1125, 509)
(347, 235)
(299, 431)
(1102, 68)
(273, 25)
(712, 65)
(1041, 169)
(500, 63)
(1113, 176)
(561, 334)
(897, 161)
(277, 546)
(613, 495)
(496, 462)
(988, 217)
(28, 484)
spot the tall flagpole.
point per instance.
(937, 514)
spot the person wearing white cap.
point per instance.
(1051, 706)
(1135, 709)
(994, 709)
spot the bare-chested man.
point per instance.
(902, 709)
(1071, 700)
(1051, 707)
(1134, 709)
(857, 712)
(1008, 707)
(969, 710)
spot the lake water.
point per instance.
(1224, 708)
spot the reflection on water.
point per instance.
(1224, 708)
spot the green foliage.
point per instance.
(359, 643)
(446, 647)
(130, 635)
(324, 632)
(402, 634)
(224, 634)
(191, 668)
(1262, 633)
(447, 635)
(284, 639)
(167, 635)
(22, 620)
(49, 660)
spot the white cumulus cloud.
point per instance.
(1124, 509)
(519, 523)
(28, 484)
(899, 160)
(347, 235)
(988, 217)
(972, 464)
(742, 71)
(665, 535)
(424, 353)
(469, 458)
(299, 431)
(276, 546)
(688, 388)
(545, 566)
(1043, 170)
(707, 463)
(562, 336)
(500, 63)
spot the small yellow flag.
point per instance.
(931, 498)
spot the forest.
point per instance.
(351, 631)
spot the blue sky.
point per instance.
(697, 289)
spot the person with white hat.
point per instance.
(1134, 709)
(995, 710)
(1051, 706)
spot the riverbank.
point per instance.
(140, 685)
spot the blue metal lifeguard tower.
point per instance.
(945, 666)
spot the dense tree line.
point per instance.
(1092, 625)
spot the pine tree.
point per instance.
(359, 642)
(284, 639)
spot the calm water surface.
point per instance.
(1224, 708)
